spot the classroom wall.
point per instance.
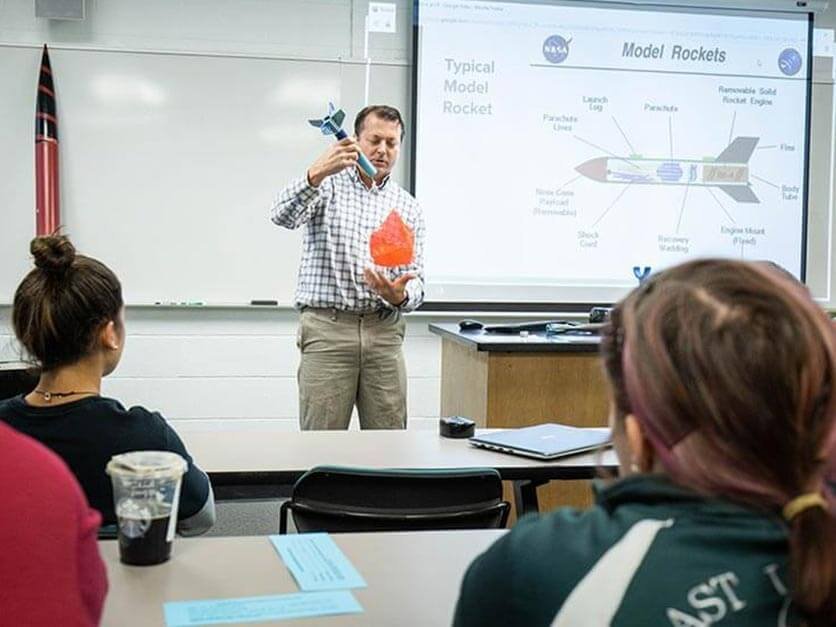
(216, 367)
(212, 368)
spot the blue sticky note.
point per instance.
(259, 609)
(316, 562)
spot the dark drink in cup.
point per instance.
(143, 542)
(146, 492)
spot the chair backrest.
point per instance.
(108, 532)
(338, 499)
(17, 380)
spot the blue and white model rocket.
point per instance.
(729, 171)
(332, 124)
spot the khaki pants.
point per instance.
(349, 359)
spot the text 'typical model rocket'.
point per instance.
(729, 171)
(47, 214)
(332, 124)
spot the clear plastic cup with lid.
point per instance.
(146, 495)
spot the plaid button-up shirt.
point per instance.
(339, 217)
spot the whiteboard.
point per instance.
(169, 164)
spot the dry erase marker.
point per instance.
(256, 301)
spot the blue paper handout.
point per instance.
(259, 609)
(316, 562)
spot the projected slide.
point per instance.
(560, 147)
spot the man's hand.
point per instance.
(338, 157)
(393, 292)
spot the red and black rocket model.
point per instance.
(47, 196)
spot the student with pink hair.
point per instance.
(722, 377)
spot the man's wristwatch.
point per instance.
(403, 302)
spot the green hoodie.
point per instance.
(649, 554)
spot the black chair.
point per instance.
(337, 499)
(17, 378)
(107, 532)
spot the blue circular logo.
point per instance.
(789, 61)
(556, 49)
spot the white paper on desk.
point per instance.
(316, 562)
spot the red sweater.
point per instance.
(50, 569)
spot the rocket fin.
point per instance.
(741, 193)
(338, 117)
(315, 123)
(739, 151)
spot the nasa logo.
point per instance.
(556, 49)
(789, 61)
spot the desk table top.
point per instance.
(538, 342)
(413, 577)
(286, 455)
(15, 365)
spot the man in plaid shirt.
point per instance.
(351, 327)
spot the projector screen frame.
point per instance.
(808, 8)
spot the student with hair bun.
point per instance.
(722, 379)
(68, 315)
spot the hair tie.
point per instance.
(803, 502)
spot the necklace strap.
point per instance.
(48, 396)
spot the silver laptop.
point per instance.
(547, 441)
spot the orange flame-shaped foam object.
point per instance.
(393, 243)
